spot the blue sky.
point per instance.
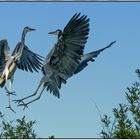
(104, 81)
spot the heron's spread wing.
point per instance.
(90, 57)
(4, 53)
(29, 61)
(66, 54)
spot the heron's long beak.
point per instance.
(54, 33)
(32, 29)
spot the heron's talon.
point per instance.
(18, 101)
(23, 104)
(11, 108)
(9, 92)
(12, 93)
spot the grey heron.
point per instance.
(22, 57)
(66, 58)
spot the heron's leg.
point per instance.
(10, 93)
(26, 104)
(21, 100)
(10, 86)
(11, 83)
(10, 104)
(6, 72)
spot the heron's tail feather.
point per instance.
(90, 57)
(53, 84)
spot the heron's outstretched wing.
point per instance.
(29, 61)
(66, 54)
(4, 53)
(90, 57)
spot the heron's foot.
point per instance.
(9, 92)
(11, 108)
(25, 105)
(18, 101)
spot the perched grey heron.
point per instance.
(22, 57)
(66, 58)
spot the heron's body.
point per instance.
(66, 58)
(22, 58)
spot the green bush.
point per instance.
(21, 129)
(126, 123)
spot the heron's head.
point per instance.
(58, 32)
(4, 42)
(28, 29)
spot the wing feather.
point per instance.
(29, 60)
(4, 53)
(90, 57)
(65, 57)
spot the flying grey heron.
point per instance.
(22, 57)
(66, 57)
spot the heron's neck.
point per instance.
(23, 36)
